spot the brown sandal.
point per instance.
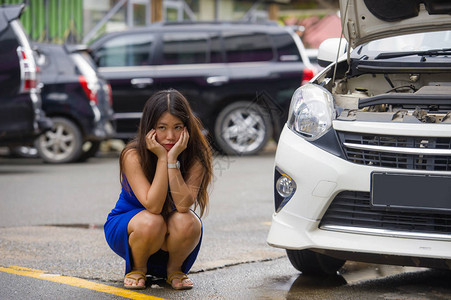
(142, 275)
(181, 276)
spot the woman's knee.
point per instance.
(147, 224)
(186, 224)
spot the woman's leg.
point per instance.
(146, 235)
(184, 231)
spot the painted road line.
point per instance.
(82, 283)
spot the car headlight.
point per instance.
(311, 111)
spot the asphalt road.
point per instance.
(51, 219)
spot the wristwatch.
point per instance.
(174, 166)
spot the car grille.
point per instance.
(352, 211)
(400, 152)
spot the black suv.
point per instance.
(76, 99)
(21, 117)
(238, 77)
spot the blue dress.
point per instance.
(117, 237)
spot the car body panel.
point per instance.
(298, 224)
(21, 116)
(374, 19)
(63, 95)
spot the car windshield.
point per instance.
(412, 42)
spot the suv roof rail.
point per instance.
(267, 22)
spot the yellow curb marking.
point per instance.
(76, 282)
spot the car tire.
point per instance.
(91, 151)
(314, 264)
(62, 144)
(242, 128)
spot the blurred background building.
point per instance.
(79, 21)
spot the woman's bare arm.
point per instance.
(184, 192)
(152, 196)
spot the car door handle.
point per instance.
(141, 82)
(217, 80)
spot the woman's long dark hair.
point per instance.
(197, 149)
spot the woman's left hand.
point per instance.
(178, 148)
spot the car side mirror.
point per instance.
(327, 51)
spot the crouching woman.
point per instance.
(165, 172)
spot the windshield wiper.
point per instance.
(431, 52)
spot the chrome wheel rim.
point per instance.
(243, 130)
(59, 143)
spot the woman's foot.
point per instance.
(179, 281)
(135, 280)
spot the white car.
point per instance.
(363, 165)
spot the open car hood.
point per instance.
(9, 13)
(367, 20)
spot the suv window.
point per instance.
(247, 47)
(126, 50)
(185, 48)
(286, 47)
(215, 49)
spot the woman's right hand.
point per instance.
(153, 146)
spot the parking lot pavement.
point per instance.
(234, 261)
(234, 230)
(84, 253)
(43, 285)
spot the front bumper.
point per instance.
(320, 176)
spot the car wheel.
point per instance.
(312, 263)
(242, 128)
(90, 149)
(62, 144)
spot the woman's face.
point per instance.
(168, 129)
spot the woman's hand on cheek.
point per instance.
(178, 148)
(153, 146)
